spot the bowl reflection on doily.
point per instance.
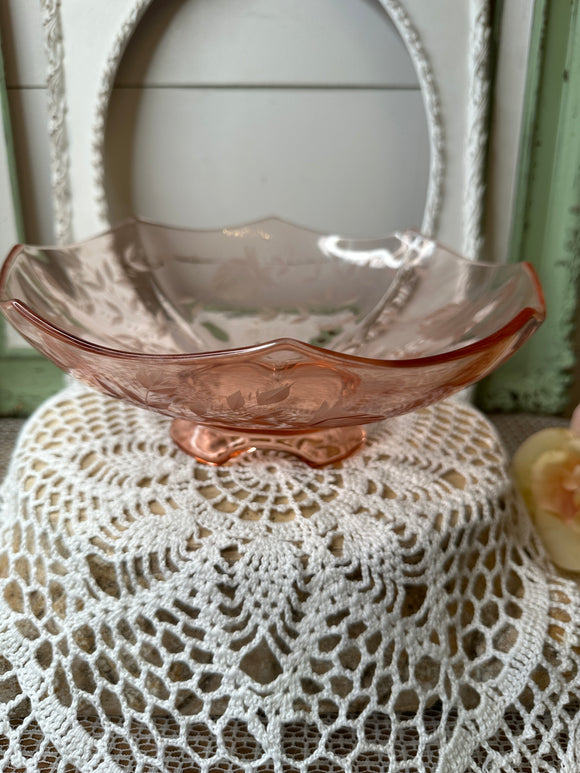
(268, 334)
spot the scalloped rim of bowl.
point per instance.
(507, 330)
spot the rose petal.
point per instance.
(561, 541)
(575, 422)
(550, 473)
(529, 452)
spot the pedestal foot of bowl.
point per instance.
(216, 446)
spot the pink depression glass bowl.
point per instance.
(267, 334)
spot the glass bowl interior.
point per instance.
(269, 327)
(150, 289)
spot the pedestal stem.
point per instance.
(217, 446)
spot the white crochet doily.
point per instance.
(394, 612)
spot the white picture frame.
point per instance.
(449, 43)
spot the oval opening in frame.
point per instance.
(312, 112)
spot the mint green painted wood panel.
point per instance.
(25, 382)
(546, 228)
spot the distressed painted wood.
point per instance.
(447, 45)
(28, 113)
(512, 29)
(25, 381)
(26, 378)
(162, 64)
(348, 53)
(546, 228)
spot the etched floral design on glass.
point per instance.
(268, 334)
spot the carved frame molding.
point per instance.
(471, 116)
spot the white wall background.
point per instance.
(310, 111)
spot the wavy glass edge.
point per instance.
(516, 323)
(297, 396)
